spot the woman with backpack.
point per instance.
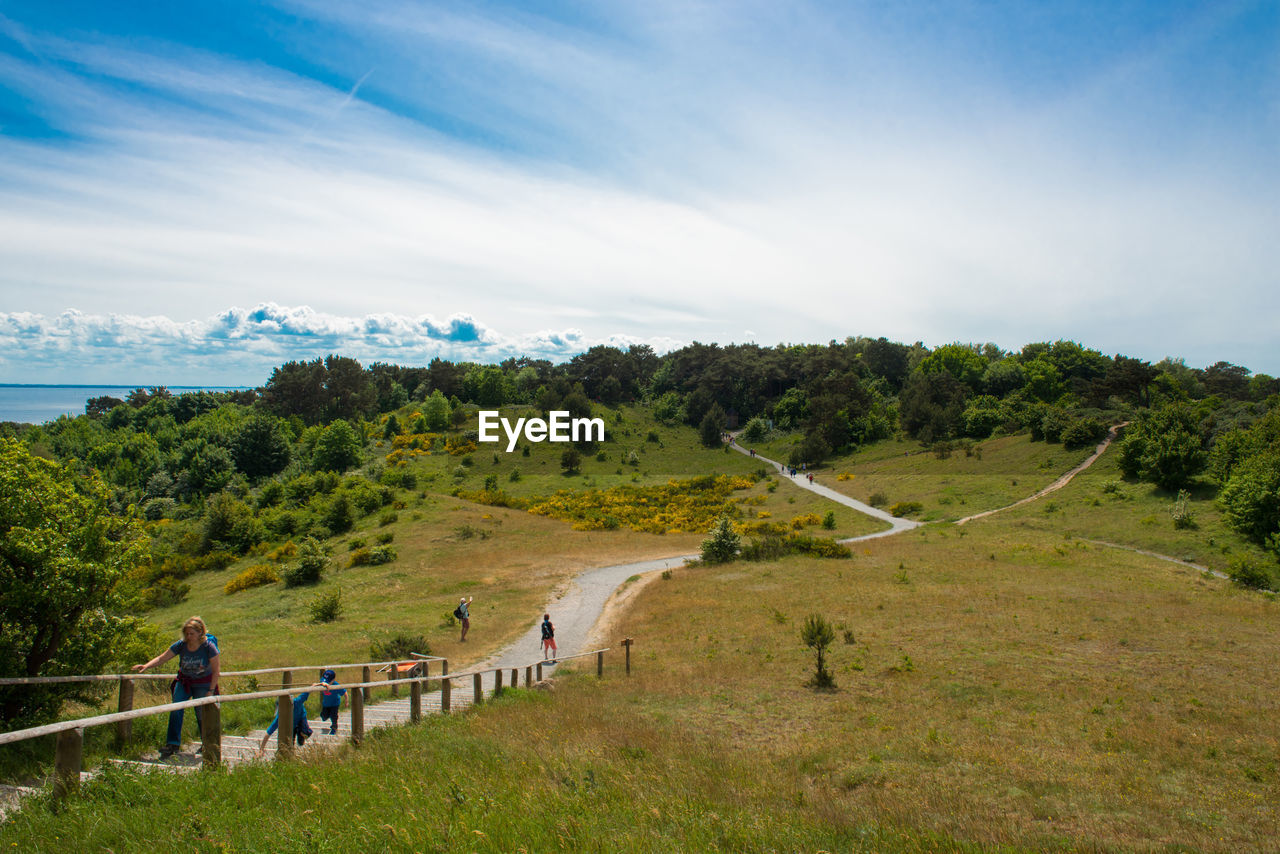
(198, 672)
(463, 613)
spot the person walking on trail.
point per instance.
(198, 672)
(548, 639)
(330, 700)
(301, 726)
(810, 477)
(463, 613)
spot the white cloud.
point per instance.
(672, 172)
(241, 346)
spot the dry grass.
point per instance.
(998, 472)
(1004, 686)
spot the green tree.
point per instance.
(62, 553)
(712, 427)
(260, 448)
(1251, 497)
(817, 634)
(723, 544)
(1164, 447)
(570, 460)
(337, 449)
(960, 360)
(436, 410)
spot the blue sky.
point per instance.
(196, 192)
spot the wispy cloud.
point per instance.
(672, 171)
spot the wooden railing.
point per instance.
(69, 742)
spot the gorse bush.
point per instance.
(255, 576)
(906, 508)
(375, 556)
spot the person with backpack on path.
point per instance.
(548, 639)
(198, 674)
(330, 700)
(463, 613)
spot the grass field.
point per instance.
(1001, 685)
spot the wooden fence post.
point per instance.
(357, 715)
(124, 729)
(211, 736)
(366, 675)
(626, 644)
(286, 679)
(497, 682)
(69, 752)
(479, 689)
(391, 677)
(415, 701)
(515, 677)
(600, 664)
(446, 694)
(539, 672)
(284, 726)
(528, 676)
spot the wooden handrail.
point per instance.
(116, 717)
(112, 677)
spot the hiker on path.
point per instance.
(463, 613)
(301, 727)
(330, 699)
(548, 639)
(198, 673)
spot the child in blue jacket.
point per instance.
(330, 699)
(301, 728)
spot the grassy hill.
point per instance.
(1005, 684)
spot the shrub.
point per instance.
(326, 607)
(311, 564)
(817, 634)
(906, 508)
(722, 545)
(1183, 516)
(514, 477)
(1248, 573)
(398, 646)
(375, 556)
(255, 576)
(878, 499)
(386, 537)
(829, 520)
(158, 508)
(388, 518)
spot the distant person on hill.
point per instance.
(198, 673)
(301, 727)
(548, 639)
(463, 613)
(330, 699)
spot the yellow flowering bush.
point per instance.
(678, 506)
(255, 576)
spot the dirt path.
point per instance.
(1060, 482)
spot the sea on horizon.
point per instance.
(36, 404)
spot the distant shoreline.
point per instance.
(130, 386)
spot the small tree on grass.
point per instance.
(818, 634)
(311, 564)
(722, 545)
(570, 460)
